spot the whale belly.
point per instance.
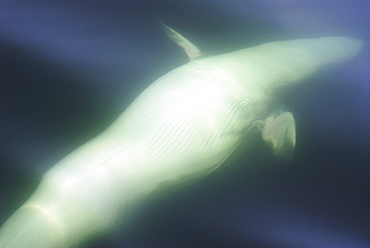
(184, 123)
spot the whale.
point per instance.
(185, 124)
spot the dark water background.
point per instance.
(68, 68)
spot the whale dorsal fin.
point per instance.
(191, 50)
(278, 130)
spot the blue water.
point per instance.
(68, 68)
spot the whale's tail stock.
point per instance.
(32, 227)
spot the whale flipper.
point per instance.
(191, 50)
(278, 130)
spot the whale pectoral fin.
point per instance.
(191, 50)
(278, 130)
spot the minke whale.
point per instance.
(184, 124)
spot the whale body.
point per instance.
(184, 124)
